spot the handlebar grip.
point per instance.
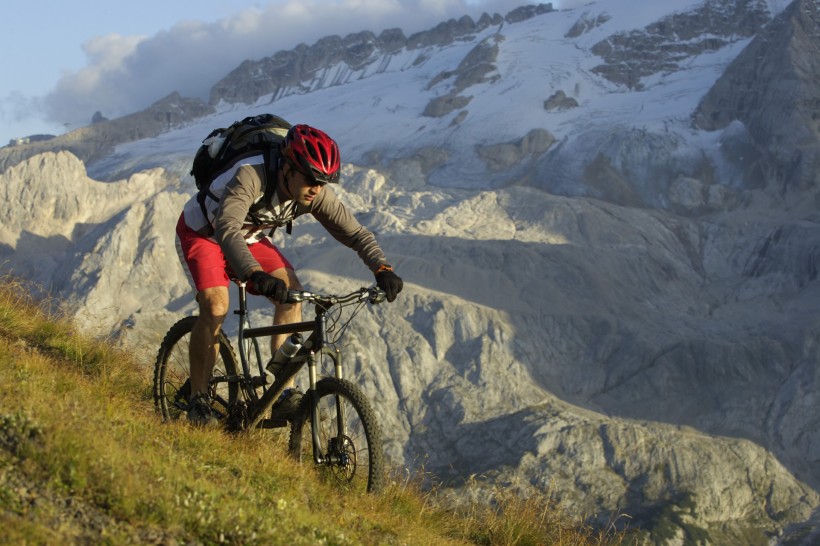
(296, 296)
(374, 295)
(377, 295)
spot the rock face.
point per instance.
(56, 207)
(762, 111)
(775, 93)
(296, 70)
(585, 23)
(711, 485)
(560, 101)
(630, 56)
(475, 68)
(88, 242)
(625, 314)
(609, 315)
(503, 156)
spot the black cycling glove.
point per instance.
(389, 282)
(269, 286)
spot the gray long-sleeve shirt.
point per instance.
(240, 217)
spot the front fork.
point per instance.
(315, 419)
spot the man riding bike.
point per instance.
(221, 234)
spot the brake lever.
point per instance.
(376, 295)
(297, 296)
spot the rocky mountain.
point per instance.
(774, 92)
(98, 140)
(607, 219)
(666, 45)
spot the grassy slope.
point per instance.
(84, 459)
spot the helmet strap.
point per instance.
(286, 178)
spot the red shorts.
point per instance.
(206, 265)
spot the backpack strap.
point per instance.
(204, 190)
(273, 163)
(200, 198)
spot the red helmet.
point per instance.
(313, 152)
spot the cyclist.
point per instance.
(227, 237)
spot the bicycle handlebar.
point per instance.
(373, 295)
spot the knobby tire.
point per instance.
(172, 372)
(361, 446)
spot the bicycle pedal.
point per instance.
(236, 418)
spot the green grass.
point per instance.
(84, 459)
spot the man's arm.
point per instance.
(240, 193)
(343, 226)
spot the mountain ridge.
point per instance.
(92, 142)
(586, 286)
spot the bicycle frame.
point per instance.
(315, 344)
(334, 415)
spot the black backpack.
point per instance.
(223, 146)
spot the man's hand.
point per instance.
(269, 286)
(389, 282)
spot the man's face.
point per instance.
(301, 189)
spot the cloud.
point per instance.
(125, 74)
(16, 107)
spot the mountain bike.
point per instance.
(334, 424)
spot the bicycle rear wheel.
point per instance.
(172, 373)
(349, 438)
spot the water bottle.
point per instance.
(284, 353)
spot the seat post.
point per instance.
(242, 346)
(243, 298)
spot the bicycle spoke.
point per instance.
(348, 448)
(172, 373)
(349, 442)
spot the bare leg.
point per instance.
(286, 313)
(213, 307)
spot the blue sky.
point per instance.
(62, 61)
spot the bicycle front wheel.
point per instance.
(349, 440)
(172, 386)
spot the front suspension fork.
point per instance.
(319, 457)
